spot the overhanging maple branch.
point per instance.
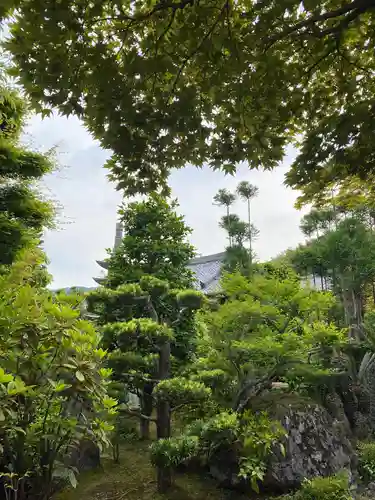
(353, 10)
(196, 50)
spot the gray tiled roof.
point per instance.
(207, 270)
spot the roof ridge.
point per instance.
(207, 258)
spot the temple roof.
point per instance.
(207, 271)
(103, 263)
(99, 281)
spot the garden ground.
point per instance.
(134, 479)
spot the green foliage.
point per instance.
(237, 257)
(260, 437)
(124, 333)
(325, 488)
(23, 212)
(179, 391)
(190, 299)
(366, 461)
(173, 452)
(224, 198)
(267, 330)
(52, 381)
(201, 83)
(154, 244)
(342, 253)
(256, 437)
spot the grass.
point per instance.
(134, 479)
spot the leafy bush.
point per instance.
(179, 390)
(52, 384)
(172, 452)
(259, 437)
(366, 461)
(325, 488)
(254, 435)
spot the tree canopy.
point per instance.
(23, 212)
(165, 83)
(154, 243)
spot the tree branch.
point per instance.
(358, 6)
(141, 377)
(138, 414)
(252, 388)
(187, 403)
(196, 50)
(142, 17)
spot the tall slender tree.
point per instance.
(247, 192)
(225, 198)
(154, 244)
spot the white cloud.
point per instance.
(89, 203)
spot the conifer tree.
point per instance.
(23, 212)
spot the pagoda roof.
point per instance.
(102, 263)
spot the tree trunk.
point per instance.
(144, 428)
(229, 236)
(146, 409)
(250, 237)
(164, 416)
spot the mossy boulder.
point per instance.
(316, 445)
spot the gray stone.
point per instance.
(316, 445)
(86, 456)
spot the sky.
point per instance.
(88, 203)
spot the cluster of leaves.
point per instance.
(52, 382)
(23, 212)
(254, 436)
(341, 251)
(325, 488)
(179, 391)
(206, 82)
(154, 243)
(268, 329)
(366, 461)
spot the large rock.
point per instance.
(316, 445)
(86, 456)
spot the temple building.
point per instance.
(207, 272)
(103, 263)
(206, 268)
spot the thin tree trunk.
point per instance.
(250, 238)
(229, 236)
(146, 409)
(164, 416)
(346, 303)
